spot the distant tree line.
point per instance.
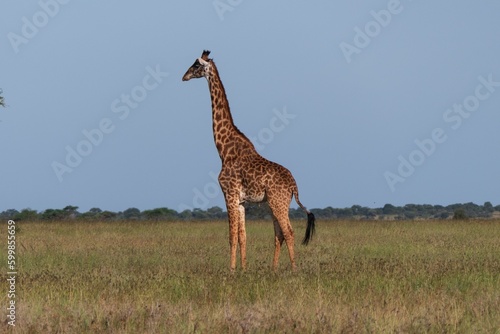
(412, 211)
(261, 211)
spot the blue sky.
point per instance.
(365, 102)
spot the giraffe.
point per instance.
(246, 176)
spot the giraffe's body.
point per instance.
(246, 176)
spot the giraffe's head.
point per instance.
(200, 68)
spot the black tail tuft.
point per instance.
(310, 228)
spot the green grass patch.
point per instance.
(173, 277)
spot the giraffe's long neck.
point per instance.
(229, 140)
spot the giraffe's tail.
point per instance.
(311, 225)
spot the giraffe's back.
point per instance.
(261, 177)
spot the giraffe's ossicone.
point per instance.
(246, 176)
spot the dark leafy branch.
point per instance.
(2, 101)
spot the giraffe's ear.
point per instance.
(205, 54)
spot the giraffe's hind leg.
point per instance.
(278, 241)
(282, 231)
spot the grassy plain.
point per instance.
(173, 277)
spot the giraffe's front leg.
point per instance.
(233, 215)
(236, 215)
(242, 236)
(237, 234)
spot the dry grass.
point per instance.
(355, 277)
